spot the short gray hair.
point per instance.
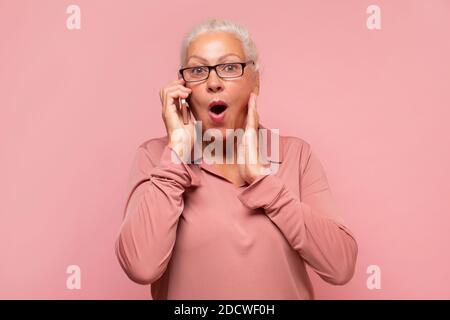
(220, 25)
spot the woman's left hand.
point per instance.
(250, 165)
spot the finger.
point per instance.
(180, 81)
(251, 146)
(171, 86)
(240, 151)
(252, 114)
(174, 87)
(175, 82)
(176, 92)
(170, 100)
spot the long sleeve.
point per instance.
(153, 207)
(308, 221)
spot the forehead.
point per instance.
(210, 47)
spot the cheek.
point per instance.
(240, 100)
(195, 101)
(240, 110)
(198, 98)
(246, 85)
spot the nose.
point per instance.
(214, 83)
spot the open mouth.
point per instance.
(217, 107)
(217, 111)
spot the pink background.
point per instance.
(75, 104)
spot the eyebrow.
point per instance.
(221, 58)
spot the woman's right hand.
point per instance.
(181, 136)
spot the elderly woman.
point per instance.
(234, 230)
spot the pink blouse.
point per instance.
(192, 234)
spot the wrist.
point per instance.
(181, 151)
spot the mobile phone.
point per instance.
(183, 106)
(184, 110)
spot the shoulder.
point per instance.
(152, 149)
(155, 144)
(295, 147)
(298, 152)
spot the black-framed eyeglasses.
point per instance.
(224, 70)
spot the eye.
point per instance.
(197, 70)
(230, 67)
